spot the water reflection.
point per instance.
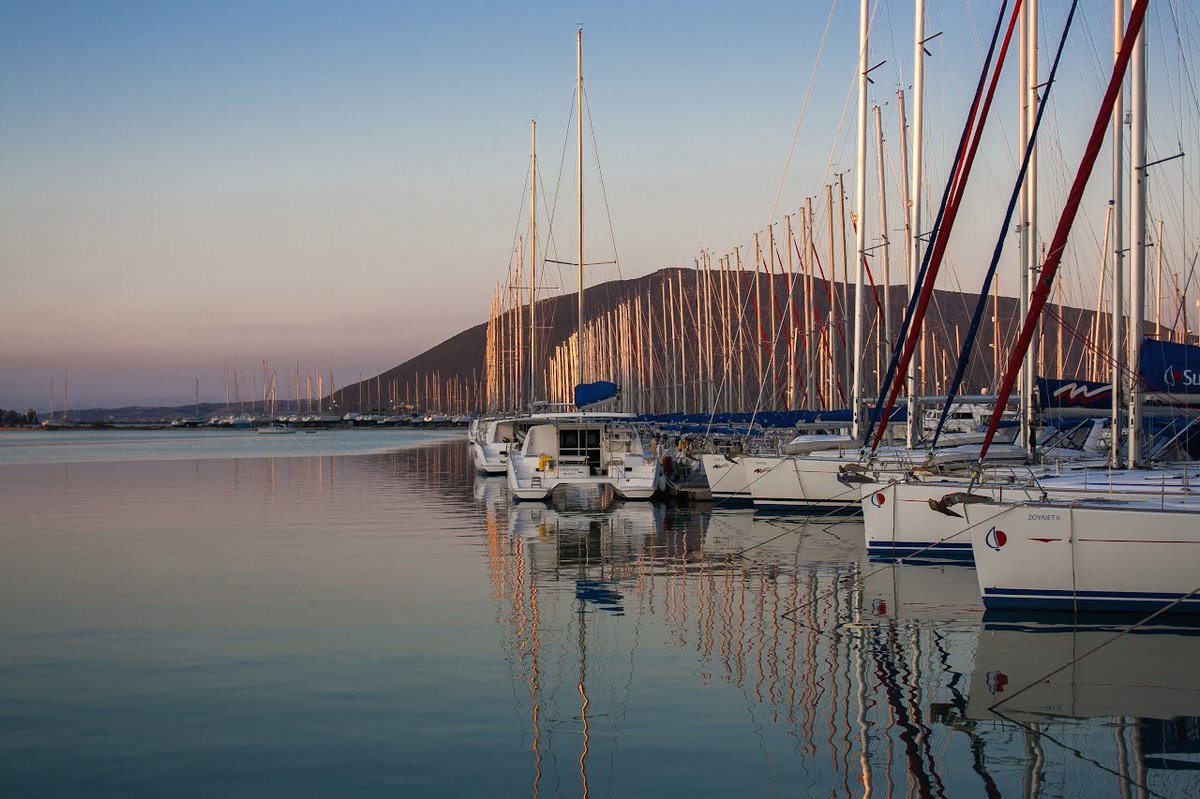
(385, 622)
(1044, 677)
(815, 669)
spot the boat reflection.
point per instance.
(1060, 683)
(779, 644)
(773, 617)
(1032, 670)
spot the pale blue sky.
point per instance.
(184, 185)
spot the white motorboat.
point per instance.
(493, 439)
(582, 449)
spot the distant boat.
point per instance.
(275, 430)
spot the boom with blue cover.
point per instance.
(590, 393)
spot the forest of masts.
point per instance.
(312, 393)
(767, 326)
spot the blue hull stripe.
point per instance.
(1056, 599)
(931, 549)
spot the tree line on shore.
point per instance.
(16, 418)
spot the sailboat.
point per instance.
(1136, 553)
(492, 439)
(941, 516)
(588, 449)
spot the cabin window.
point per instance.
(582, 444)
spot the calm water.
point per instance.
(354, 612)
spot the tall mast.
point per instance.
(579, 177)
(532, 260)
(915, 198)
(860, 230)
(886, 328)
(1137, 236)
(1118, 244)
(1029, 109)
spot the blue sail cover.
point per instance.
(590, 393)
(1170, 368)
(1086, 394)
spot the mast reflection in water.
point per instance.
(781, 653)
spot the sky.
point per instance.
(186, 186)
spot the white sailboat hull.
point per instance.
(1134, 556)
(727, 480)
(801, 483)
(901, 522)
(489, 459)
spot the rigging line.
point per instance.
(1041, 733)
(984, 293)
(517, 227)
(552, 212)
(1187, 70)
(910, 314)
(829, 161)
(803, 110)
(1058, 243)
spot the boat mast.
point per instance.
(532, 260)
(1118, 245)
(860, 229)
(1023, 224)
(886, 328)
(1137, 241)
(1030, 276)
(915, 198)
(579, 177)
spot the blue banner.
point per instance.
(1170, 368)
(1054, 393)
(590, 393)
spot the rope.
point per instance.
(952, 202)
(911, 309)
(977, 317)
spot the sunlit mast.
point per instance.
(1137, 240)
(860, 229)
(915, 198)
(1118, 245)
(532, 260)
(579, 176)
